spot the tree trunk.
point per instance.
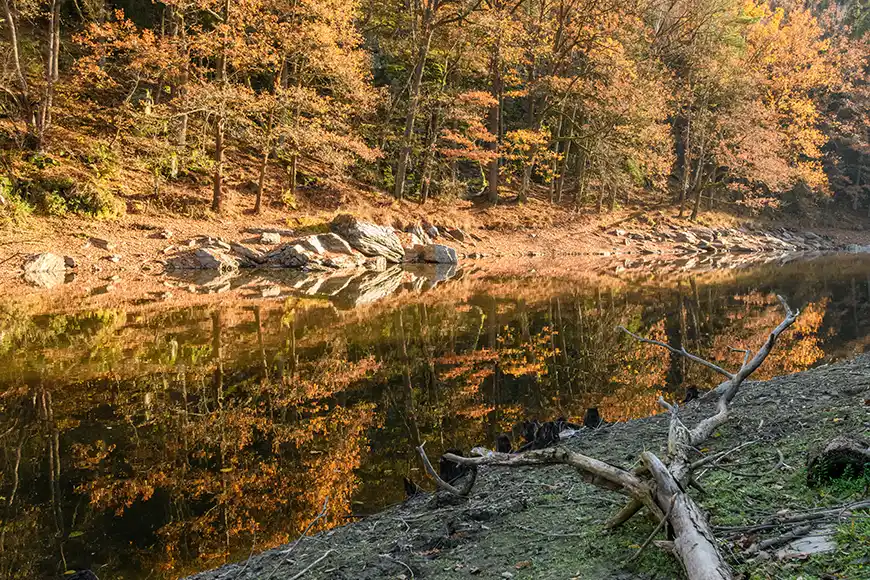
(179, 87)
(262, 180)
(686, 165)
(429, 153)
(495, 123)
(580, 188)
(51, 75)
(218, 179)
(560, 184)
(528, 166)
(267, 148)
(293, 163)
(218, 194)
(554, 169)
(24, 96)
(413, 102)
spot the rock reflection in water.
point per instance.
(147, 442)
(345, 288)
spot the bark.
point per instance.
(294, 162)
(686, 165)
(566, 154)
(580, 189)
(179, 87)
(218, 180)
(699, 171)
(528, 166)
(694, 543)
(426, 170)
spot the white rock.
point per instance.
(270, 238)
(439, 254)
(46, 262)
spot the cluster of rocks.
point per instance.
(351, 244)
(697, 263)
(743, 240)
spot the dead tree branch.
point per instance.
(440, 483)
(656, 485)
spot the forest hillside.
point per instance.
(188, 107)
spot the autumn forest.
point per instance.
(585, 102)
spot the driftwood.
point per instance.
(659, 486)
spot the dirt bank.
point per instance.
(546, 523)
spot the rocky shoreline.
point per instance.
(349, 252)
(742, 240)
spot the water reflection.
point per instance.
(152, 443)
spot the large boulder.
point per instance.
(369, 239)
(46, 262)
(252, 258)
(270, 238)
(438, 254)
(319, 252)
(326, 243)
(418, 231)
(204, 259)
(213, 259)
(44, 270)
(292, 255)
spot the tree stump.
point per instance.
(844, 455)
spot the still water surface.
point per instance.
(154, 441)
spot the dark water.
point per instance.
(154, 442)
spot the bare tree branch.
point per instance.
(680, 351)
(466, 487)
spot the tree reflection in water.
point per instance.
(158, 443)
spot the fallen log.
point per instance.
(659, 486)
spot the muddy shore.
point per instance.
(546, 523)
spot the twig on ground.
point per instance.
(10, 257)
(785, 538)
(657, 529)
(299, 539)
(312, 565)
(396, 560)
(779, 463)
(717, 457)
(835, 513)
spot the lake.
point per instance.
(154, 440)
